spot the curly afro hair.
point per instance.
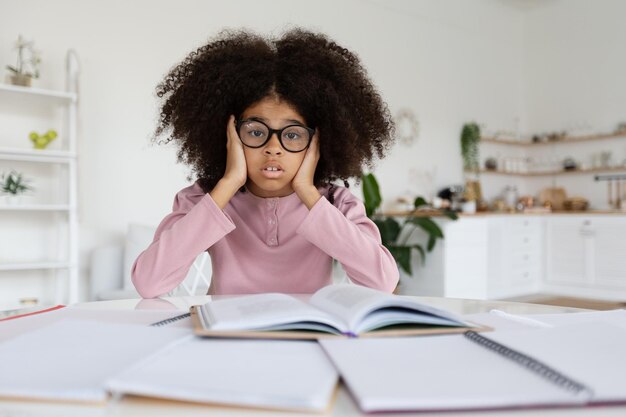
(325, 83)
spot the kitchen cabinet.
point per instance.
(585, 255)
(482, 257)
(515, 251)
(503, 256)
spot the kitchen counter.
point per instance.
(433, 213)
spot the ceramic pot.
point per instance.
(21, 79)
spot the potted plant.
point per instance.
(13, 185)
(470, 139)
(27, 65)
(396, 236)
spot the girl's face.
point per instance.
(270, 167)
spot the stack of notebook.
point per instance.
(570, 360)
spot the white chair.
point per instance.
(110, 276)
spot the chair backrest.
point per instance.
(139, 237)
(198, 278)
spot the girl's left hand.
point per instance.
(302, 183)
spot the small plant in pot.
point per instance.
(13, 185)
(27, 65)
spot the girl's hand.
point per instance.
(236, 172)
(302, 183)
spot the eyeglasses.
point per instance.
(255, 134)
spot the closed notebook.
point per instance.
(86, 361)
(274, 374)
(564, 366)
(336, 310)
(70, 360)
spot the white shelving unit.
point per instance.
(58, 210)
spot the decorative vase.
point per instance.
(13, 199)
(21, 79)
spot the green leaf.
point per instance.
(450, 214)
(428, 225)
(402, 255)
(389, 230)
(419, 202)
(371, 194)
(420, 249)
(432, 239)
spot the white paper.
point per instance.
(614, 317)
(72, 359)
(274, 374)
(445, 372)
(15, 327)
(593, 353)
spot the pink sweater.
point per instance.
(265, 244)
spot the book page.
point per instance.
(72, 359)
(264, 312)
(358, 305)
(253, 373)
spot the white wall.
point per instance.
(575, 72)
(450, 62)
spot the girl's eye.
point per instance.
(291, 135)
(256, 133)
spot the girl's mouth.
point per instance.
(272, 171)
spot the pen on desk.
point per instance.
(520, 319)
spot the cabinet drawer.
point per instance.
(523, 225)
(523, 241)
(525, 276)
(524, 258)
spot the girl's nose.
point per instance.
(273, 146)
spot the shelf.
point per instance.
(35, 207)
(60, 96)
(58, 164)
(570, 139)
(550, 173)
(36, 155)
(27, 266)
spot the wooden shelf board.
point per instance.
(570, 139)
(551, 173)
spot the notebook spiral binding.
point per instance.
(170, 320)
(530, 363)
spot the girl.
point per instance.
(267, 125)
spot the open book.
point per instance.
(335, 310)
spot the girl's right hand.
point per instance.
(236, 170)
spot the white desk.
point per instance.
(344, 406)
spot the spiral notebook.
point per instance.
(572, 365)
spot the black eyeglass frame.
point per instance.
(279, 133)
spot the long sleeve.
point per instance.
(194, 225)
(348, 235)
